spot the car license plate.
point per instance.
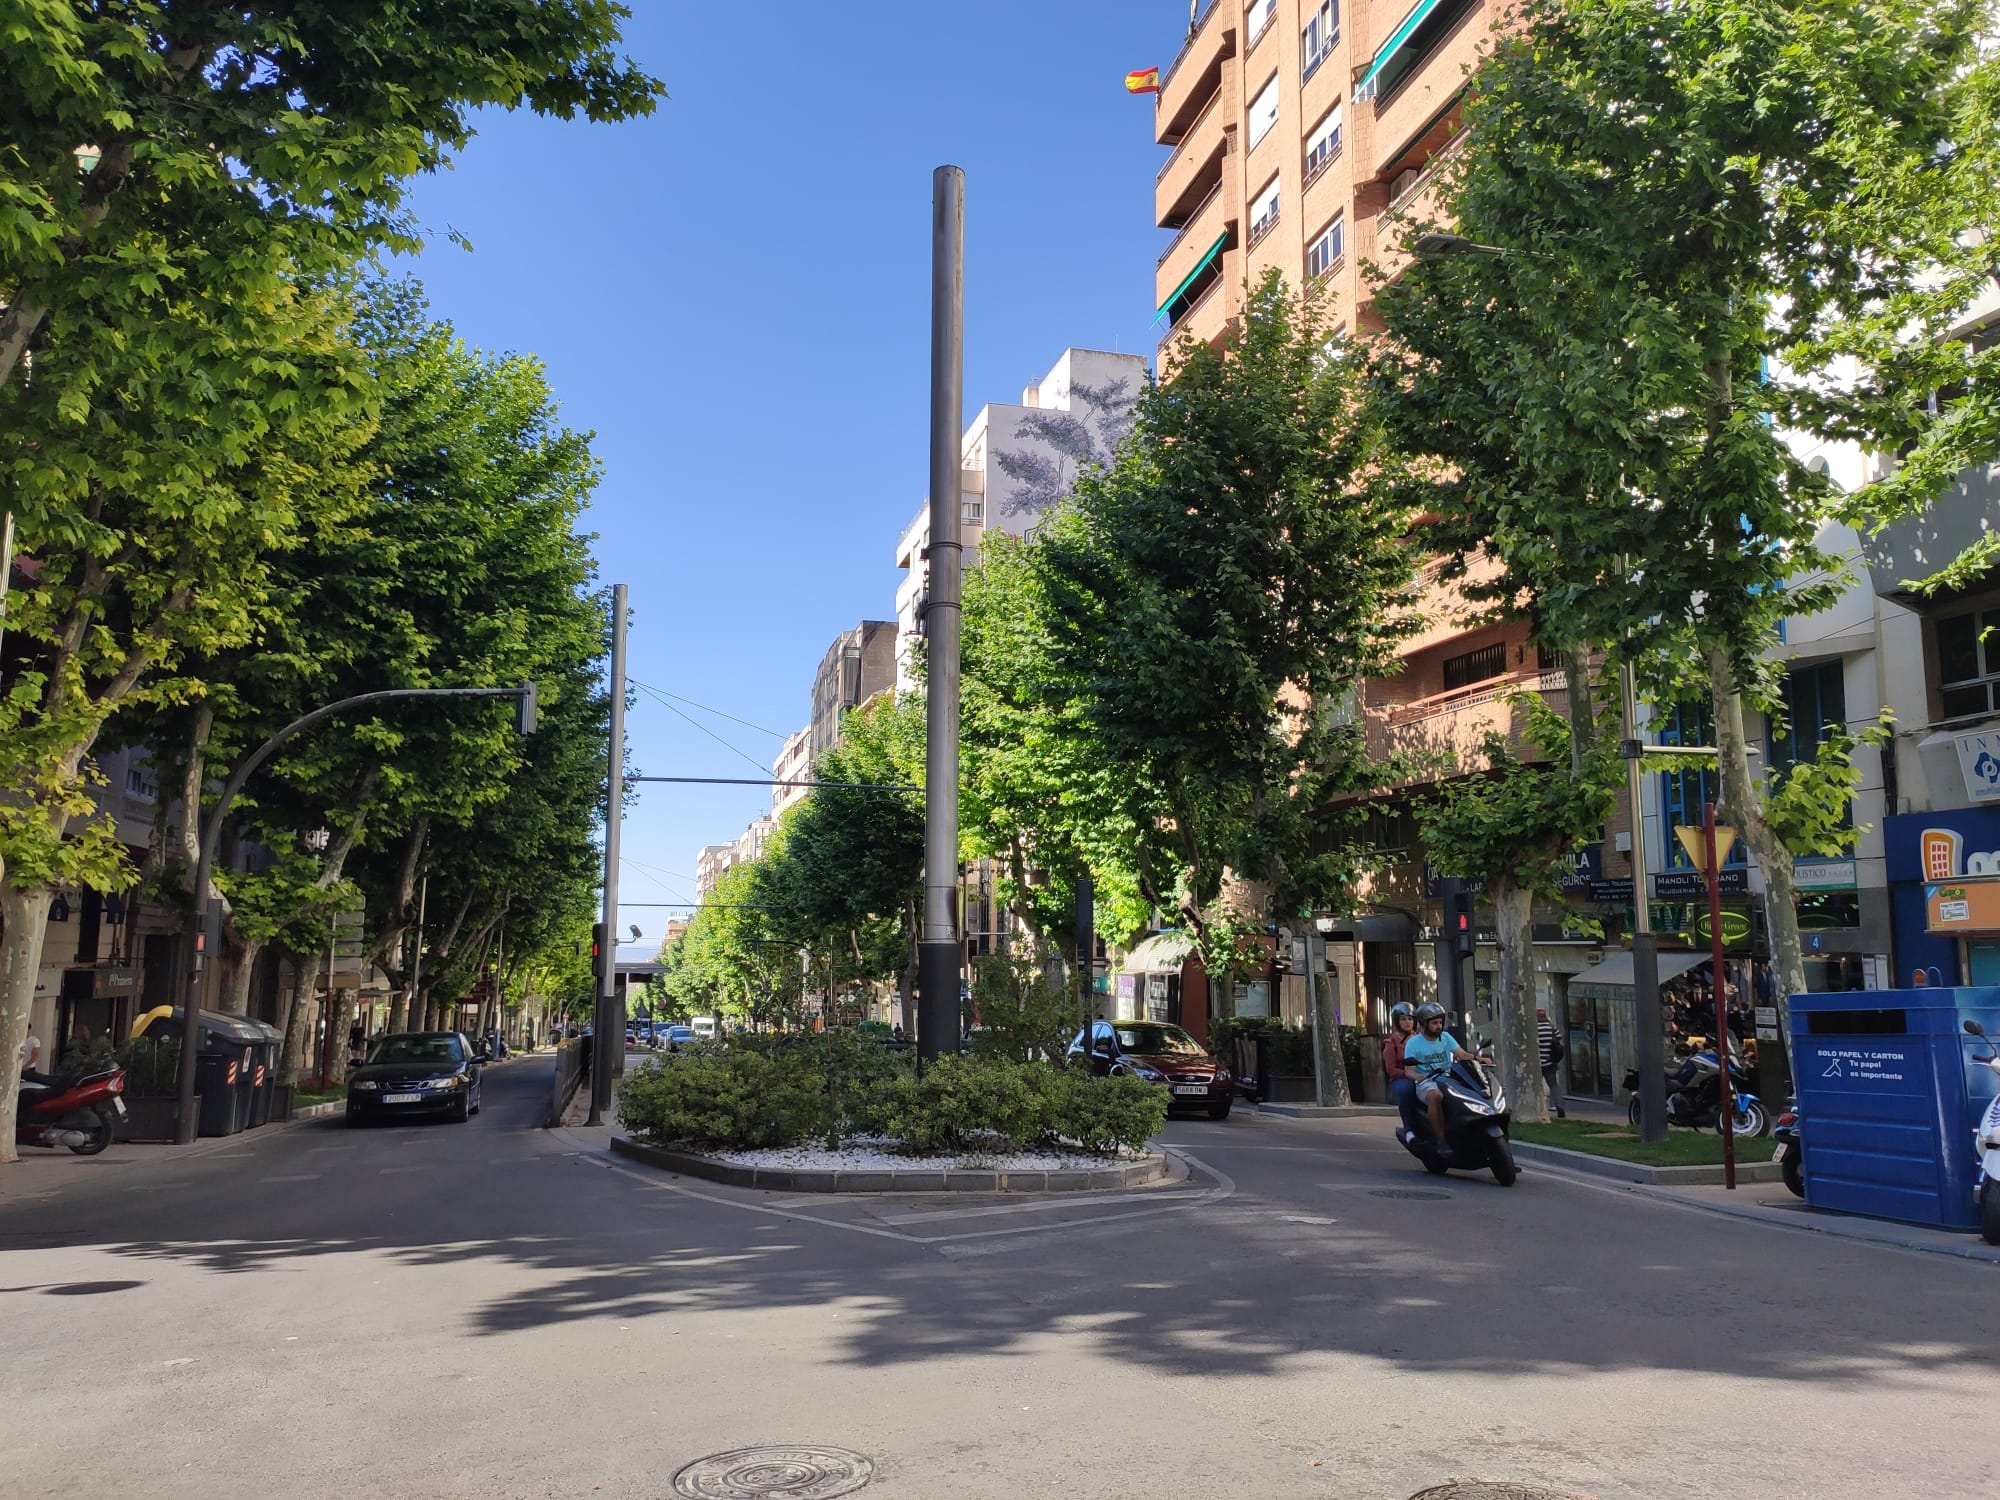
(402, 1098)
(1190, 1088)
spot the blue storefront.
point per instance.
(1924, 854)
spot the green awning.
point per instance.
(1365, 89)
(1187, 280)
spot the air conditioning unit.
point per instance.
(1404, 181)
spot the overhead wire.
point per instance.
(663, 693)
(734, 750)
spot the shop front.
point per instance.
(1603, 1021)
(1944, 884)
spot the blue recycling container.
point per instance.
(1889, 1092)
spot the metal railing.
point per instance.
(572, 1062)
(1194, 35)
(1547, 683)
(1187, 136)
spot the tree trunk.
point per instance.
(239, 969)
(298, 1023)
(1514, 1002)
(340, 1015)
(1741, 807)
(906, 984)
(25, 916)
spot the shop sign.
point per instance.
(1736, 929)
(1933, 846)
(1688, 885)
(1612, 892)
(1582, 868)
(1956, 906)
(1979, 763)
(1824, 875)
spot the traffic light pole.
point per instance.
(602, 1041)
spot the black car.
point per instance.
(1162, 1054)
(416, 1073)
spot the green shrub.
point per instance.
(1022, 1014)
(152, 1066)
(725, 1097)
(827, 1087)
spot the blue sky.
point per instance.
(734, 296)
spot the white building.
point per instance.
(794, 765)
(1015, 462)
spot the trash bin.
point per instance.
(222, 1111)
(1886, 1088)
(263, 1079)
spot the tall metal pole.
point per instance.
(614, 817)
(1649, 1021)
(938, 954)
(1086, 953)
(1720, 984)
(416, 1015)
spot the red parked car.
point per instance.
(1162, 1054)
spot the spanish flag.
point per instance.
(1144, 81)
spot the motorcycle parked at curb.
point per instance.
(1476, 1122)
(1694, 1097)
(1986, 1145)
(1790, 1151)
(81, 1113)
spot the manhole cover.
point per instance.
(800, 1471)
(1493, 1489)
(1424, 1195)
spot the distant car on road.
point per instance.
(1162, 1054)
(675, 1035)
(412, 1073)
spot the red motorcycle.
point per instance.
(81, 1113)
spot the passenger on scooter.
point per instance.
(1402, 1082)
(1430, 1055)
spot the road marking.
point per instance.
(1065, 1201)
(292, 1177)
(387, 1171)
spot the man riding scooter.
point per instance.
(1429, 1055)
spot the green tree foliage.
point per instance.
(211, 151)
(1214, 596)
(1718, 223)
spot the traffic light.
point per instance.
(600, 955)
(1458, 922)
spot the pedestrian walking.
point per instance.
(31, 1051)
(357, 1044)
(1552, 1054)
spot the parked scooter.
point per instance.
(1986, 1144)
(1790, 1151)
(1694, 1097)
(80, 1113)
(1476, 1122)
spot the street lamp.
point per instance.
(208, 909)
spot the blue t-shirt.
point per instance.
(1429, 1057)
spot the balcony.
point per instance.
(1196, 166)
(1191, 79)
(1446, 733)
(1416, 202)
(1178, 260)
(1426, 79)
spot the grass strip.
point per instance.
(1681, 1148)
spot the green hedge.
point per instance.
(827, 1089)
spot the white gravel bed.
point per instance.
(882, 1154)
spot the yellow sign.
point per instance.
(1690, 835)
(1963, 906)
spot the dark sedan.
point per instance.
(1165, 1055)
(416, 1073)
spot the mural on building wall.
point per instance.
(1090, 432)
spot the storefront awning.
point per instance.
(1617, 969)
(1384, 54)
(1162, 953)
(1188, 280)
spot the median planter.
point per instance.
(1289, 1088)
(869, 1175)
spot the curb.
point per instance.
(1329, 1111)
(940, 1180)
(1632, 1171)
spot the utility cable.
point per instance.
(663, 694)
(716, 737)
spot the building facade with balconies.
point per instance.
(1303, 136)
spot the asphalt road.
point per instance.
(494, 1310)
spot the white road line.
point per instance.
(1067, 1200)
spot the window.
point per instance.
(1323, 145)
(1390, 829)
(1264, 111)
(972, 508)
(1683, 792)
(1968, 663)
(1325, 252)
(1316, 41)
(1815, 705)
(1264, 211)
(1257, 18)
(1475, 666)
